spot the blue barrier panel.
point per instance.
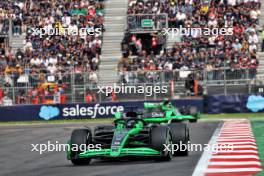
(234, 104)
(77, 111)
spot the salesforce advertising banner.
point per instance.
(77, 111)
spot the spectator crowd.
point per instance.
(63, 54)
(197, 51)
(56, 54)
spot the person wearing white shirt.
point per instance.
(212, 22)
(53, 60)
(49, 20)
(253, 38)
(66, 20)
(196, 32)
(211, 40)
(254, 14)
(181, 16)
(93, 78)
(73, 29)
(168, 66)
(190, 2)
(19, 4)
(28, 46)
(231, 2)
(46, 62)
(35, 61)
(52, 68)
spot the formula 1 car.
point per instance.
(148, 133)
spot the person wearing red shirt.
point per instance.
(90, 97)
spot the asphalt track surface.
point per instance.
(17, 159)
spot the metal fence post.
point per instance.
(145, 98)
(84, 93)
(10, 32)
(72, 87)
(155, 96)
(249, 87)
(205, 82)
(225, 88)
(248, 76)
(13, 91)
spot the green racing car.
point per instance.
(148, 133)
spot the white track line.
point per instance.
(234, 137)
(239, 151)
(236, 129)
(237, 143)
(205, 158)
(232, 170)
(228, 163)
(245, 140)
(238, 146)
(233, 132)
(234, 156)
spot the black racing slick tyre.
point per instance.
(161, 137)
(80, 137)
(180, 138)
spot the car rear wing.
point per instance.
(152, 105)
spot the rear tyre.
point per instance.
(161, 136)
(79, 138)
(180, 137)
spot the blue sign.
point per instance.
(255, 103)
(48, 112)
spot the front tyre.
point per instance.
(80, 137)
(180, 137)
(161, 137)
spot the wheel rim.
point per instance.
(169, 142)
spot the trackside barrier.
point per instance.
(78, 111)
(234, 104)
(210, 104)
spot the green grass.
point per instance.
(233, 115)
(258, 129)
(204, 116)
(39, 122)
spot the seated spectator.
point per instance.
(236, 50)
(93, 78)
(90, 97)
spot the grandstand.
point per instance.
(130, 49)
